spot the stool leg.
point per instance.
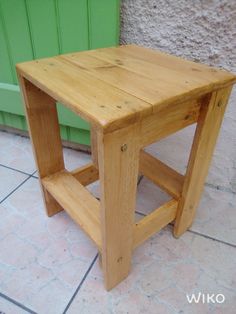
(94, 149)
(118, 155)
(44, 131)
(210, 118)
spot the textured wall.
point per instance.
(203, 31)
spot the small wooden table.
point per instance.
(132, 97)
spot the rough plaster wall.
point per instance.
(202, 31)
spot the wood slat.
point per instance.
(86, 174)
(168, 120)
(114, 87)
(157, 62)
(100, 103)
(194, 70)
(154, 222)
(159, 173)
(143, 87)
(77, 202)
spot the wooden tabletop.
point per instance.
(112, 87)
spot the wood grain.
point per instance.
(118, 170)
(86, 174)
(159, 173)
(154, 222)
(114, 87)
(45, 135)
(208, 126)
(168, 120)
(77, 202)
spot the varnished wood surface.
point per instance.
(112, 87)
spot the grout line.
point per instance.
(8, 167)
(81, 283)
(16, 303)
(16, 188)
(211, 238)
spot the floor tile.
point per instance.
(10, 179)
(16, 152)
(215, 215)
(149, 196)
(74, 159)
(42, 259)
(164, 271)
(7, 307)
(174, 150)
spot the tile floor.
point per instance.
(47, 265)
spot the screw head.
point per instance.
(124, 147)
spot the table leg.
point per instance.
(44, 131)
(94, 149)
(208, 125)
(118, 155)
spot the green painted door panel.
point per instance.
(31, 29)
(73, 17)
(103, 23)
(15, 25)
(6, 74)
(43, 28)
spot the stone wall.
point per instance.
(202, 31)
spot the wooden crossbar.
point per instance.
(159, 173)
(86, 174)
(77, 202)
(154, 222)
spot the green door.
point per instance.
(31, 29)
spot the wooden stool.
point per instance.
(132, 97)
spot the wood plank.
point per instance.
(168, 120)
(159, 173)
(73, 25)
(194, 70)
(77, 202)
(148, 89)
(105, 106)
(114, 87)
(173, 76)
(14, 20)
(44, 35)
(205, 138)
(86, 174)
(44, 131)
(154, 222)
(152, 63)
(118, 170)
(103, 23)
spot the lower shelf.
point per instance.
(69, 191)
(83, 207)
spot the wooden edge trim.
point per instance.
(154, 222)
(159, 173)
(86, 174)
